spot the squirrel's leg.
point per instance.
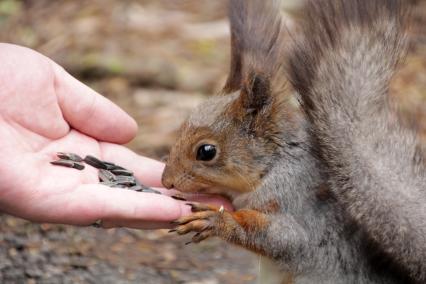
(235, 226)
(245, 227)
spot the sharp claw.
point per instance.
(193, 208)
(187, 243)
(201, 236)
(196, 238)
(206, 226)
(178, 198)
(97, 224)
(172, 230)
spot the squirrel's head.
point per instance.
(229, 142)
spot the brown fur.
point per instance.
(324, 193)
(250, 220)
(269, 207)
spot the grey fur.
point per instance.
(312, 238)
(342, 67)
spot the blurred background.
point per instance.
(157, 60)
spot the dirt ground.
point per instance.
(157, 60)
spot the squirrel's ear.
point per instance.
(255, 93)
(259, 108)
(253, 106)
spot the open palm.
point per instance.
(44, 110)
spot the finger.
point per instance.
(91, 113)
(118, 207)
(146, 225)
(148, 171)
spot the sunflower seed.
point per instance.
(78, 166)
(126, 180)
(136, 187)
(110, 174)
(69, 156)
(105, 175)
(122, 172)
(64, 163)
(68, 164)
(94, 162)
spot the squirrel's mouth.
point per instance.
(208, 198)
(208, 191)
(219, 191)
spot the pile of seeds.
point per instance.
(110, 174)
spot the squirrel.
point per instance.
(250, 145)
(341, 67)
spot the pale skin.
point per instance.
(44, 110)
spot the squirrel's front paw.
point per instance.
(203, 221)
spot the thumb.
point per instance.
(89, 112)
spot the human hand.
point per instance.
(43, 110)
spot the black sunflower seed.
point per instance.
(69, 156)
(94, 162)
(122, 172)
(105, 175)
(68, 164)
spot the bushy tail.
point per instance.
(341, 67)
(350, 46)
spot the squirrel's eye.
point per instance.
(206, 152)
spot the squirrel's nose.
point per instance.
(166, 178)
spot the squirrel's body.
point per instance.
(293, 219)
(250, 146)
